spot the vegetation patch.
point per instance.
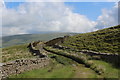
(109, 70)
(15, 52)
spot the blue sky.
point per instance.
(13, 4)
(91, 9)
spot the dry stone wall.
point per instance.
(37, 52)
(22, 65)
(56, 41)
(108, 57)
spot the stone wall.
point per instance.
(37, 52)
(108, 57)
(37, 46)
(56, 41)
(22, 65)
(86, 51)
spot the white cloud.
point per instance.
(44, 16)
(51, 16)
(1, 6)
(108, 17)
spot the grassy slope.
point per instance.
(105, 40)
(15, 52)
(26, 38)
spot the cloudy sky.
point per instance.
(80, 17)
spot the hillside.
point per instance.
(105, 40)
(69, 60)
(59, 65)
(27, 38)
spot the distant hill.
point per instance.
(26, 38)
(105, 40)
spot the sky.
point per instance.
(80, 17)
(84, 8)
(91, 9)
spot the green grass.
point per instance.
(57, 72)
(109, 70)
(103, 68)
(62, 60)
(15, 52)
(81, 58)
(105, 40)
